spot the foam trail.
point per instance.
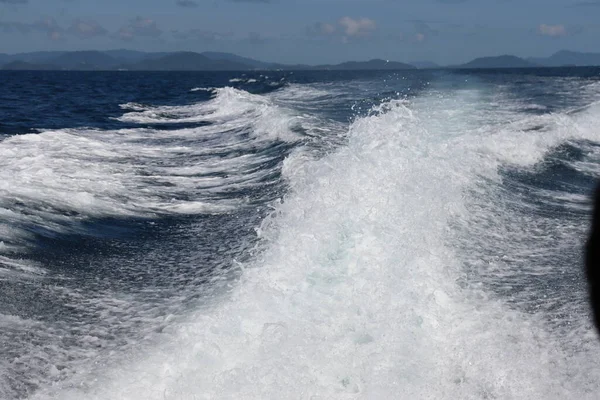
(357, 294)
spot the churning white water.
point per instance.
(361, 290)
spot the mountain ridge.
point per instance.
(123, 59)
(502, 61)
(568, 58)
(174, 61)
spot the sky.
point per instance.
(308, 31)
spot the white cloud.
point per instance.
(201, 35)
(357, 27)
(327, 29)
(49, 26)
(86, 28)
(139, 27)
(552, 30)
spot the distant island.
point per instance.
(505, 61)
(130, 60)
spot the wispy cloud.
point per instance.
(423, 30)
(139, 27)
(321, 28)
(357, 27)
(82, 28)
(86, 29)
(584, 4)
(47, 26)
(345, 29)
(186, 3)
(201, 35)
(552, 30)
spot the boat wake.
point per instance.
(375, 274)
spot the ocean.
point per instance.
(297, 235)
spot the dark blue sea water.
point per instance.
(368, 235)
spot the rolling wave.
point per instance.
(56, 182)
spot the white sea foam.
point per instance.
(55, 180)
(357, 294)
(310, 95)
(201, 89)
(228, 107)
(133, 106)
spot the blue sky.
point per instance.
(309, 31)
